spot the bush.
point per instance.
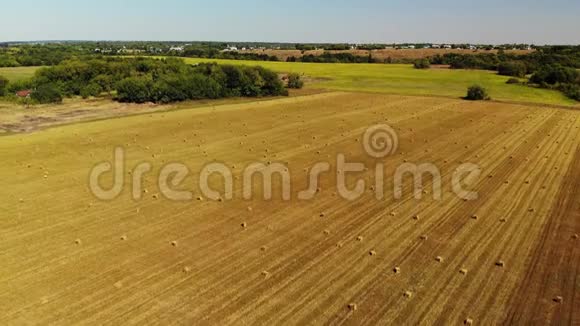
(3, 85)
(571, 90)
(45, 94)
(422, 64)
(555, 74)
(134, 90)
(92, 89)
(19, 86)
(272, 85)
(477, 93)
(105, 82)
(469, 61)
(294, 81)
(513, 81)
(512, 68)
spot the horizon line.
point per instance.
(279, 42)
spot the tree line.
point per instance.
(38, 55)
(139, 80)
(328, 57)
(213, 53)
(549, 67)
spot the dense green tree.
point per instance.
(149, 80)
(3, 85)
(512, 68)
(477, 93)
(294, 81)
(555, 74)
(422, 64)
(571, 90)
(134, 89)
(45, 94)
(20, 85)
(106, 82)
(92, 89)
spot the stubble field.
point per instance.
(68, 258)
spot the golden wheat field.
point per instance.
(511, 256)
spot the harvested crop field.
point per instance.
(510, 256)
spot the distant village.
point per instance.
(179, 48)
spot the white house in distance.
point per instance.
(176, 49)
(230, 49)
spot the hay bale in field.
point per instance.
(575, 237)
(372, 253)
(463, 271)
(558, 299)
(360, 238)
(244, 225)
(502, 220)
(353, 307)
(439, 259)
(468, 322)
(408, 294)
(250, 209)
(327, 232)
(186, 269)
(78, 242)
(123, 238)
(474, 216)
(416, 217)
(500, 263)
(397, 270)
(263, 248)
(424, 237)
(322, 214)
(265, 273)
(174, 243)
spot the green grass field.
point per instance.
(390, 79)
(18, 73)
(405, 80)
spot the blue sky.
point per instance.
(362, 21)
